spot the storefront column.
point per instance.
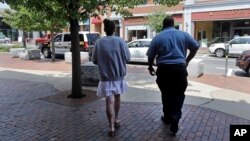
(187, 21)
(193, 29)
(121, 27)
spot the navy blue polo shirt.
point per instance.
(170, 46)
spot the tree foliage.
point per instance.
(28, 21)
(155, 20)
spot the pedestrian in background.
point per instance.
(111, 55)
(169, 47)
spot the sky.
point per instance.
(4, 5)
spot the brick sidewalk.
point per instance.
(45, 64)
(24, 116)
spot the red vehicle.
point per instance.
(45, 39)
(243, 62)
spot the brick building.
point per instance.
(208, 20)
(205, 20)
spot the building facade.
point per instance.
(136, 27)
(208, 20)
(205, 20)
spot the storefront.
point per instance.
(7, 31)
(221, 26)
(216, 21)
(137, 32)
(137, 28)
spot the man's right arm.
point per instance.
(191, 55)
(151, 53)
(193, 47)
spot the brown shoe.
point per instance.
(117, 124)
(111, 133)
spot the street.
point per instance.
(212, 65)
(215, 65)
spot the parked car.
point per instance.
(63, 42)
(138, 49)
(4, 39)
(217, 40)
(236, 47)
(243, 62)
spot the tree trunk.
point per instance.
(76, 91)
(52, 45)
(24, 40)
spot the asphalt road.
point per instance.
(215, 65)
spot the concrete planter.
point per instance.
(30, 54)
(90, 74)
(195, 68)
(14, 52)
(84, 57)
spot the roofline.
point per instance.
(146, 14)
(216, 3)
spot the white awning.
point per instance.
(136, 27)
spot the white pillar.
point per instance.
(188, 20)
(121, 27)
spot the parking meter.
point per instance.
(227, 48)
(226, 57)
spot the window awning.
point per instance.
(137, 27)
(96, 20)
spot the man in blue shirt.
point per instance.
(169, 47)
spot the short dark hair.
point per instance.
(109, 27)
(168, 22)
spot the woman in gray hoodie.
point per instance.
(111, 55)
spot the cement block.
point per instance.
(14, 52)
(90, 74)
(30, 54)
(34, 54)
(195, 68)
(24, 55)
(68, 57)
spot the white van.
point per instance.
(63, 42)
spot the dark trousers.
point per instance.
(172, 82)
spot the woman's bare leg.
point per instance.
(109, 112)
(117, 107)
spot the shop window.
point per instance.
(201, 34)
(137, 34)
